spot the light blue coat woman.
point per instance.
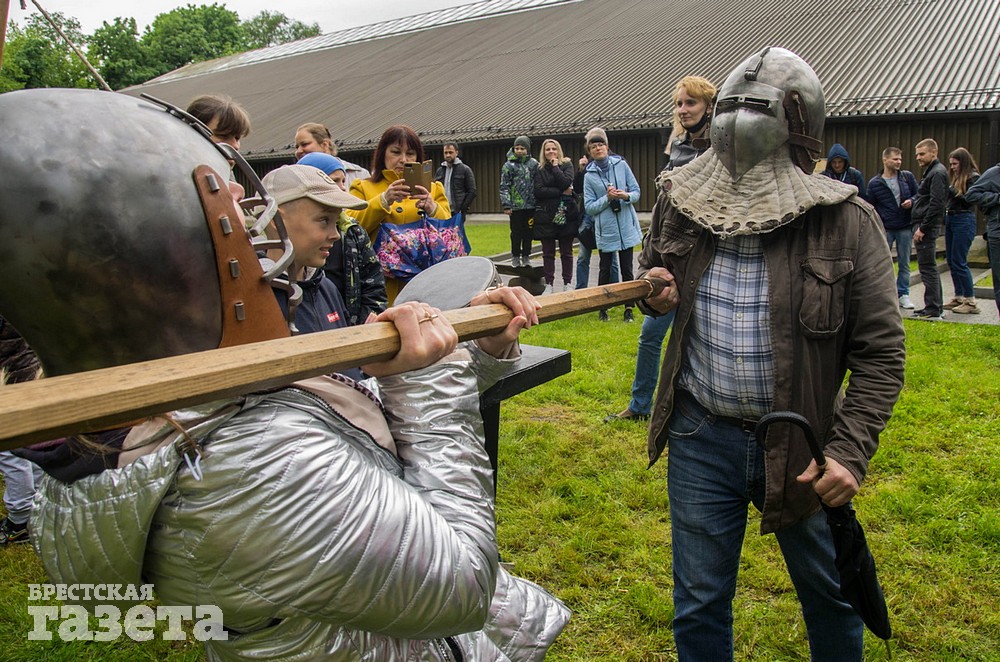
(619, 230)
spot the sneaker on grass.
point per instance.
(13, 534)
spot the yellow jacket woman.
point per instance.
(389, 198)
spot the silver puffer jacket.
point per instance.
(315, 542)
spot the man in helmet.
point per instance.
(325, 520)
(782, 283)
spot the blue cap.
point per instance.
(325, 162)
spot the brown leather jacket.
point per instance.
(833, 311)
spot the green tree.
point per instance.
(191, 34)
(273, 28)
(119, 56)
(36, 56)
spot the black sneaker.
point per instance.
(628, 315)
(603, 316)
(13, 534)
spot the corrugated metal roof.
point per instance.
(557, 68)
(414, 23)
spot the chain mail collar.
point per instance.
(771, 194)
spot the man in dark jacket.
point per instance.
(929, 206)
(458, 180)
(986, 193)
(838, 166)
(777, 298)
(890, 193)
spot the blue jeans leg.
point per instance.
(583, 268)
(647, 361)
(960, 230)
(19, 478)
(835, 630)
(904, 245)
(715, 471)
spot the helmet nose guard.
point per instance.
(129, 246)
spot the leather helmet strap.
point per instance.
(250, 311)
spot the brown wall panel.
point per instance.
(865, 141)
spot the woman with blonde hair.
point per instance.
(960, 230)
(315, 137)
(389, 197)
(556, 213)
(694, 101)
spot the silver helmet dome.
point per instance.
(115, 211)
(772, 98)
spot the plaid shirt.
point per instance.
(728, 364)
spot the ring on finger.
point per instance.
(428, 318)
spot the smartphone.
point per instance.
(418, 174)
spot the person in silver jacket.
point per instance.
(327, 520)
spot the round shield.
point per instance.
(451, 284)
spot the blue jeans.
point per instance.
(647, 361)
(959, 231)
(714, 471)
(903, 239)
(19, 477)
(583, 269)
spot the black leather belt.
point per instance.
(745, 424)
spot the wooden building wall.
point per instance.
(864, 138)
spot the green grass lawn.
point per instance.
(488, 238)
(579, 512)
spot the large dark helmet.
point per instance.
(772, 98)
(124, 243)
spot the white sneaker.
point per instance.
(548, 289)
(904, 302)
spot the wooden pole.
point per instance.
(4, 11)
(101, 399)
(76, 50)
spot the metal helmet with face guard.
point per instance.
(126, 242)
(772, 98)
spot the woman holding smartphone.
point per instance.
(390, 198)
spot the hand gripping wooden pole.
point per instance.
(101, 399)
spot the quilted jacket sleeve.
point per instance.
(298, 515)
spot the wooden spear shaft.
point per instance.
(4, 9)
(101, 399)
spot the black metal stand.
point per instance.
(536, 366)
